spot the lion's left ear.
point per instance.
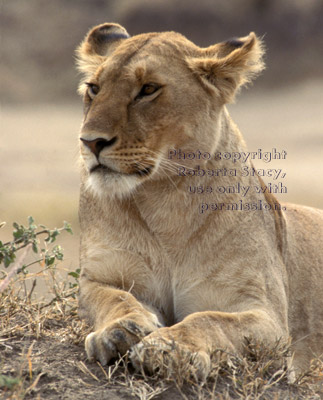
(97, 45)
(229, 65)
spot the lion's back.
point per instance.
(304, 261)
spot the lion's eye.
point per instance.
(92, 90)
(148, 89)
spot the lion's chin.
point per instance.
(115, 185)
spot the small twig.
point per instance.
(57, 298)
(17, 265)
(29, 265)
(103, 370)
(34, 384)
(20, 240)
(85, 370)
(32, 289)
(30, 364)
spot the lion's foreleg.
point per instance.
(201, 334)
(119, 320)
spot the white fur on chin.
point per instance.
(113, 186)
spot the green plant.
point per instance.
(29, 237)
(7, 382)
(74, 274)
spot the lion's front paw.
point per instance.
(113, 340)
(169, 358)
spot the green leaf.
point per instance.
(49, 260)
(35, 247)
(24, 269)
(68, 228)
(7, 262)
(74, 274)
(31, 224)
(8, 259)
(18, 233)
(59, 256)
(58, 252)
(53, 235)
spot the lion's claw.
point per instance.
(169, 358)
(105, 344)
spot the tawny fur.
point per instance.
(153, 266)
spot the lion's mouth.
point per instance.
(107, 170)
(103, 168)
(144, 172)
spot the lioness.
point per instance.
(155, 265)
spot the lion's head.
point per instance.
(146, 94)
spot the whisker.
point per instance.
(165, 161)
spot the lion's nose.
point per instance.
(97, 145)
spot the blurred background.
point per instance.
(41, 112)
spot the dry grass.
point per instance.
(42, 356)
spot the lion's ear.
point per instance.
(97, 45)
(229, 65)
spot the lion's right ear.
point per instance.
(97, 45)
(229, 65)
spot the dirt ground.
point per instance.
(41, 348)
(42, 357)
